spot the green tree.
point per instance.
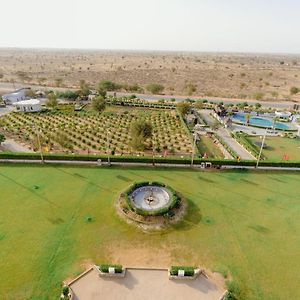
(140, 130)
(51, 100)
(257, 105)
(259, 96)
(107, 85)
(294, 90)
(183, 108)
(248, 118)
(190, 89)
(84, 88)
(155, 88)
(98, 104)
(63, 140)
(2, 138)
(30, 93)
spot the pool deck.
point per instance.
(143, 284)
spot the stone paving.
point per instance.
(144, 284)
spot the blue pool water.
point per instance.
(261, 122)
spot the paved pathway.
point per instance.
(227, 138)
(143, 165)
(6, 110)
(146, 284)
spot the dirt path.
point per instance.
(13, 146)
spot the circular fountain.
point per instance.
(150, 198)
(151, 205)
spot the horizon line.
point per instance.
(147, 51)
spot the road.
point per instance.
(7, 87)
(266, 104)
(227, 138)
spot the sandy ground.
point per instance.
(203, 74)
(144, 284)
(13, 146)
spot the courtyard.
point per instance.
(144, 284)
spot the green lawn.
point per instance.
(278, 147)
(206, 145)
(244, 222)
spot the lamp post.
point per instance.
(39, 142)
(194, 146)
(108, 148)
(261, 148)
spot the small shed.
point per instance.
(32, 105)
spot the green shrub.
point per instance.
(104, 268)
(234, 290)
(65, 290)
(188, 271)
(242, 139)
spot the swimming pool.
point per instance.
(261, 122)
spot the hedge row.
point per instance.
(136, 104)
(104, 268)
(147, 159)
(242, 139)
(175, 199)
(188, 271)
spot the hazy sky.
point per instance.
(194, 25)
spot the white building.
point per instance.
(18, 95)
(32, 105)
(283, 115)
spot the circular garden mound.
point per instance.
(151, 205)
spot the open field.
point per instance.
(277, 147)
(244, 223)
(64, 130)
(244, 76)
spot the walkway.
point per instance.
(227, 138)
(146, 284)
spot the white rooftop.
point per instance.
(28, 102)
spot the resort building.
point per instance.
(18, 95)
(32, 105)
(283, 115)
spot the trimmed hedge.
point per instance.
(244, 141)
(175, 199)
(188, 271)
(104, 268)
(145, 159)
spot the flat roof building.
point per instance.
(32, 105)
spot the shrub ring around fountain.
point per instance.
(151, 205)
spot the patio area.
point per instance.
(143, 284)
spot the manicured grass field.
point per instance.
(242, 222)
(278, 147)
